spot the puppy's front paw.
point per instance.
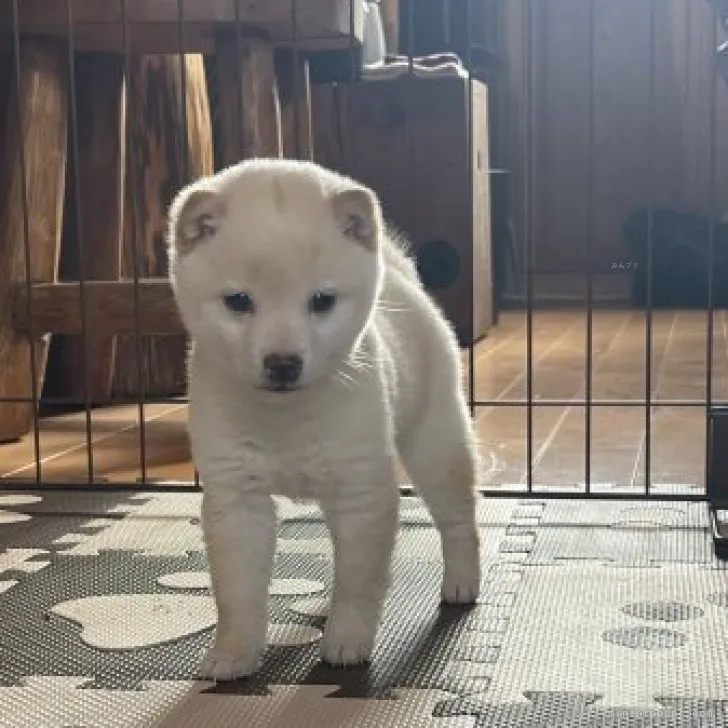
(348, 637)
(460, 588)
(219, 664)
(461, 580)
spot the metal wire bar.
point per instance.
(26, 242)
(183, 92)
(588, 241)
(81, 242)
(409, 106)
(650, 246)
(606, 495)
(136, 217)
(640, 402)
(713, 214)
(239, 142)
(524, 494)
(185, 140)
(119, 400)
(529, 230)
(352, 155)
(72, 402)
(295, 79)
(470, 194)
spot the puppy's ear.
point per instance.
(358, 215)
(195, 216)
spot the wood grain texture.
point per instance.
(294, 89)
(408, 140)
(41, 104)
(160, 161)
(651, 140)
(86, 368)
(248, 104)
(110, 308)
(152, 24)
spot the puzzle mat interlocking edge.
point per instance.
(591, 614)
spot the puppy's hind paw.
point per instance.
(220, 666)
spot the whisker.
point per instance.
(345, 379)
(359, 365)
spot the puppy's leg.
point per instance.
(240, 533)
(439, 454)
(363, 525)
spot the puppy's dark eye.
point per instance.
(322, 302)
(239, 303)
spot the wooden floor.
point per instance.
(618, 433)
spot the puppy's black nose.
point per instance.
(283, 368)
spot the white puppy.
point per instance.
(317, 360)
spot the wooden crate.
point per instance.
(407, 139)
(169, 145)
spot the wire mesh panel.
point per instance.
(590, 170)
(556, 166)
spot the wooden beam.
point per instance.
(109, 307)
(164, 38)
(93, 252)
(248, 103)
(320, 23)
(32, 187)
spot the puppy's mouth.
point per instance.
(279, 387)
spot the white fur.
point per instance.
(381, 380)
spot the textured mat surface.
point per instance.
(592, 614)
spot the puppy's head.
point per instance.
(276, 268)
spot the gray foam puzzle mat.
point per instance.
(592, 614)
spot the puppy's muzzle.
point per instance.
(282, 370)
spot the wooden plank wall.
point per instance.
(561, 49)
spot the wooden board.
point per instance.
(109, 304)
(152, 25)
(31, 212)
